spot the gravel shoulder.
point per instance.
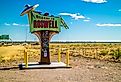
(83, 70)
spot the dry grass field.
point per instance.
(12, 55)
(91, 62)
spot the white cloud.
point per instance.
(119, 10)
(76, 16)
(108, 25)
(26, 25)
(86, 20)
(95, 1)
(15, 24)
(6, 24)
(71, 22)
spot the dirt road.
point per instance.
(83, 70)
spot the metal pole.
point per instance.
(25, 58)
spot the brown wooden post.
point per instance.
(44, 39)
(45, 55)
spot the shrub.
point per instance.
(1, 59)
(103, 52)
(117, 54)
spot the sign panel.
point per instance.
(4, 37)
(39, 22)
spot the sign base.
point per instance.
(44, 63)
(36, 65)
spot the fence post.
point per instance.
(25, 58)
(59, 54)
(67, 57)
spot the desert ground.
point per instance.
(95, 62)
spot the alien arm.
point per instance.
(64, 24)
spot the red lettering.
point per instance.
(45, 24)
(38, 24)
(41, 24)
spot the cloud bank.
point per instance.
(6, 24)
(86, 20)
(15, 24)
(76, 16)
(95, 1)
(119, 10)
(108, 25)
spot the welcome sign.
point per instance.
(44, 27)
(40, 22)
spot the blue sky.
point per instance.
(87, 19)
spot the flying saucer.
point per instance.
(28, 8)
